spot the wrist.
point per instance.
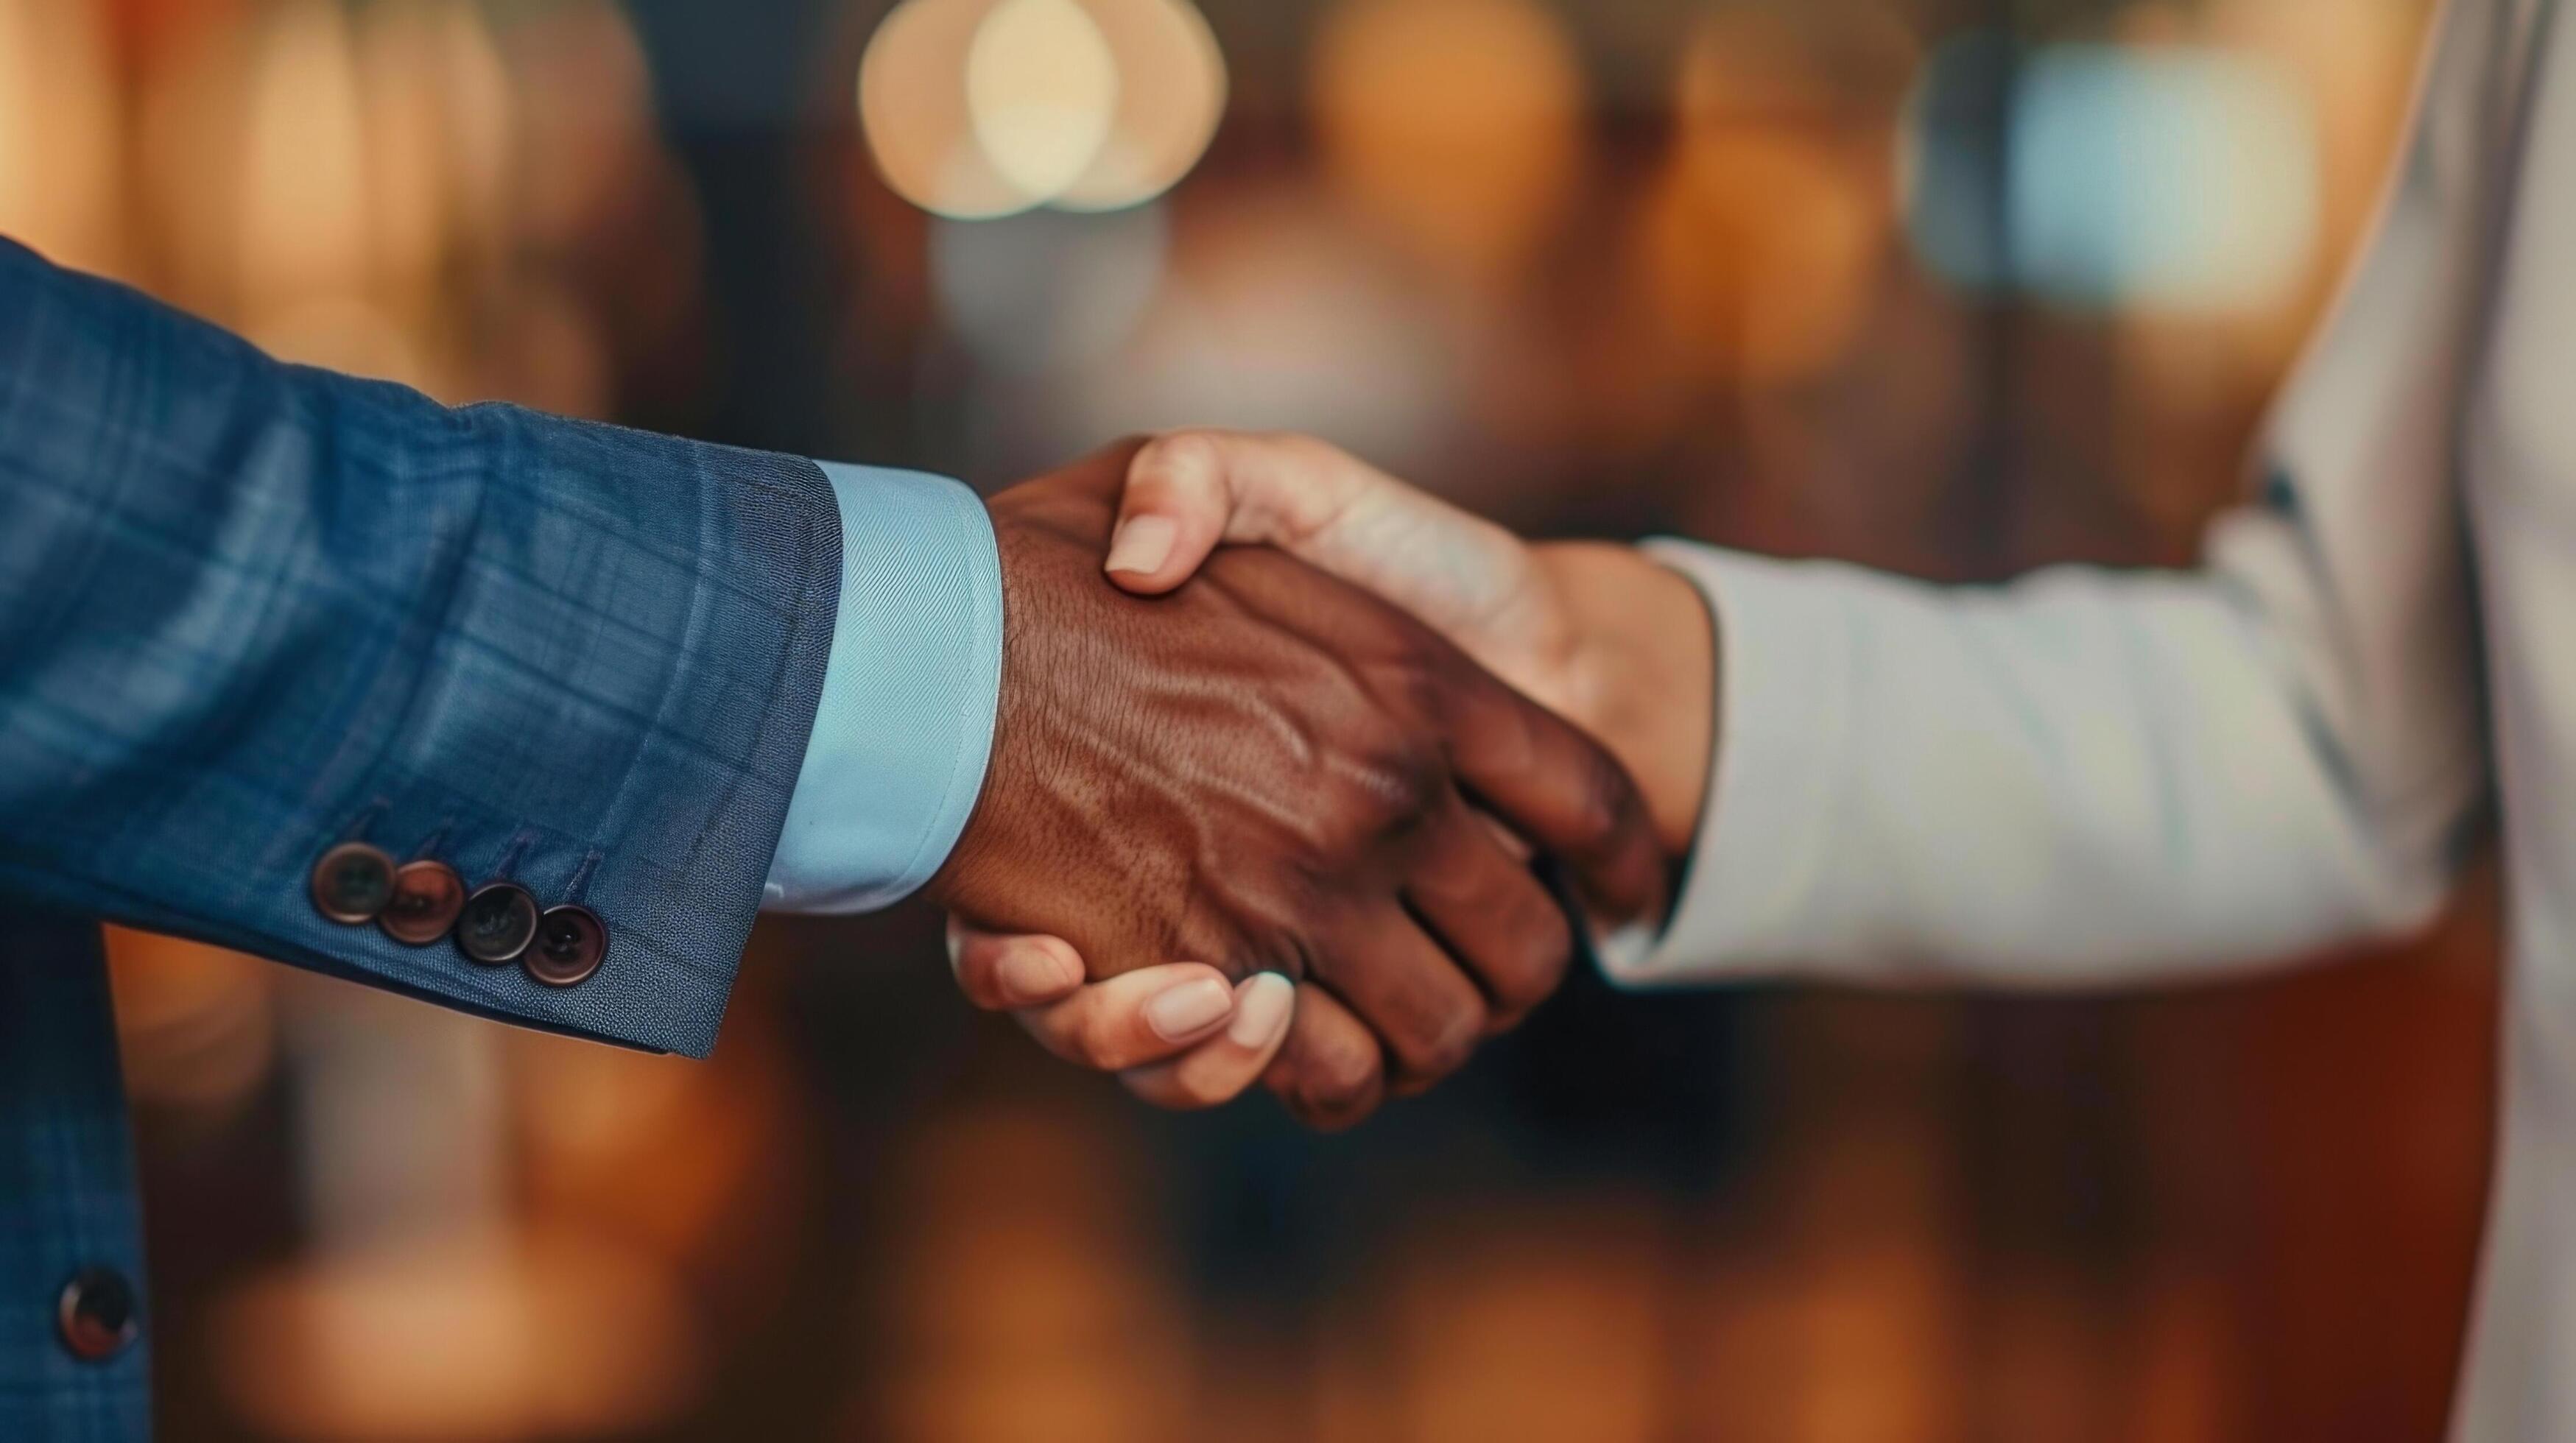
(976, 870)
(1641, 676)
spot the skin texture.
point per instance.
(1642, 675)
(1270, 770)
(1599, 633)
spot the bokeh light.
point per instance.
(1035, 1309)
(912, 106)
(61, 132)
(2169, 178)
(2175, 179)
(974, 109)
(303, 192)
(1452, 121)
(486, 1336)
(1277, 315)
(1041, 90)
(1172, 96)
(195, 1024)
(1763, 234)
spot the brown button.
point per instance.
(498, 923)
(352, 883)
(99, 1315)
(427, 898)
(571, 943)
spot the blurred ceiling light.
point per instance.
(2164, 179)
(912, 106)
(1041, 89)
(981, 108)
(1171, 96)
(60, 132)
(1455, 121)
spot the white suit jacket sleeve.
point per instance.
(2095, 776)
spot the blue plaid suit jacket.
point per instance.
(251, 610)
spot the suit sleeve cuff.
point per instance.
(1783, 675)
(906, 722)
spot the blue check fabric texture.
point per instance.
(248, 610)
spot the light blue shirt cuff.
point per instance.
(906, 722)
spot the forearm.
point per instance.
(248, 611)
(2086, 778)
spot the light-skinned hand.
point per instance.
(1597, 633)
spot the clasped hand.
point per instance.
(1202, 793)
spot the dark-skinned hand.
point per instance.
(1269, 769)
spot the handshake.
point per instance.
(1291, 811)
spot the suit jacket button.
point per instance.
(99, 1315)
(571, 943)
(352, 883)
(498, 923)
(427, 898)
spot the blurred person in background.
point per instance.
(529, 716)
(2093, 777)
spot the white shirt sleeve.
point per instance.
(2093, 777)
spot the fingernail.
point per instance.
(1035, 974)
(1142, 544)
(1623, 950)
(1182, 1012)
(1261, 1011)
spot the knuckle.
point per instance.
(1425, 680)
(1444, 1045)
(1388, 789)
(1600, 805)
(1414, 780)
(1098, 1043)
(1178, 458)
(1548, 951)
(1338, 1080)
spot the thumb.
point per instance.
(1190, 491)
(1178, 500)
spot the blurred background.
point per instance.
(1951, 286)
